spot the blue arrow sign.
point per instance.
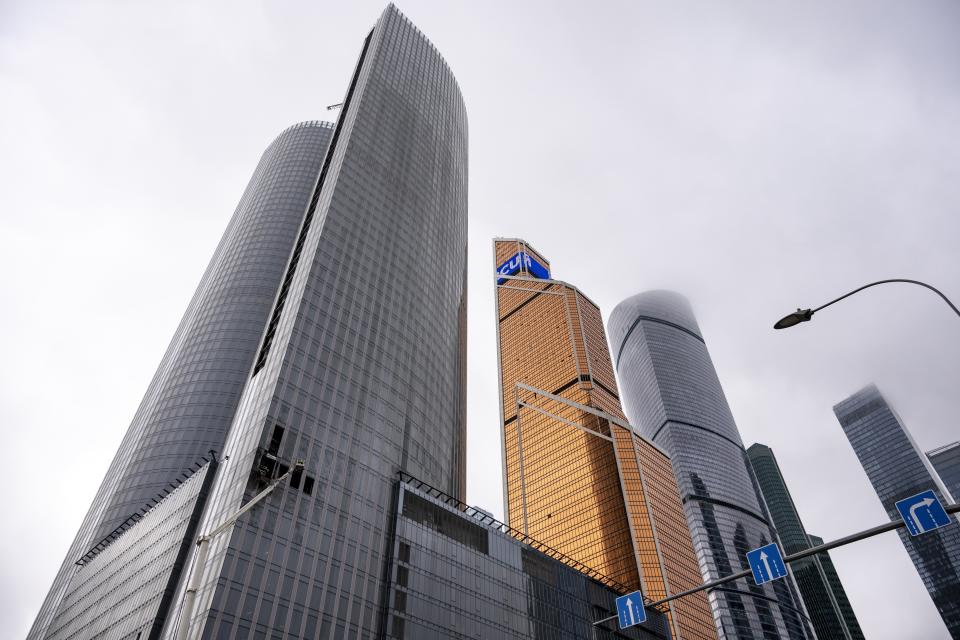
(630, 610)
(923, 512)
(767, 563)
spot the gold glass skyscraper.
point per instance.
(576, 475)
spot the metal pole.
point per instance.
(873, 284)
(203, 550)
(855, 537)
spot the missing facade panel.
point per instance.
(275, 439)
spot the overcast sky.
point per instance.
(754, 156)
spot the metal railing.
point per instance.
(502, 527)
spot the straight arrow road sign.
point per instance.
(630, 610)
(767, 563)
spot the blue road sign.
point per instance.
(767, 563)
(630, 609)
(923, 512)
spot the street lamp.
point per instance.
(804, 315)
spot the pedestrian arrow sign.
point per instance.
(922, 512)
(767, 563)
(630, 610)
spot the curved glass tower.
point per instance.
(671, 392)
(330, 327)
(193, 396)
(361, 370)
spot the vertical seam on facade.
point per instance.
(626, 508)
(573, 342)
(523, 482)
(503, 425)
(583, 336)
(674, 619)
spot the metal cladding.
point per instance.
(576, 476)
(673, 397)
(362, 367)
(898, 469)
(193, 396)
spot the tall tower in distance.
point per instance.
(946, 462)
(673, 396)
(825, 599)
(898, 469)
(576, 476)
(353, 359)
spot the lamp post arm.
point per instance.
(873, 284)
(195, 574)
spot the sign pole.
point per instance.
(854, 537)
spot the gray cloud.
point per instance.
(755, 156)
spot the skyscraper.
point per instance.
(898, 469)
(822, 598)
(946, 462)
(356, 365)
(673, 396)
(836, 587)
(190, 402)
(576, 476)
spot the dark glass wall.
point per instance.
(817, 592)
(836, 588)
(190, 402)
(452, 575)
(946, 462)
(897, 469)
(362, 375)
(671, 392)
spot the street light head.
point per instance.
(801, 315)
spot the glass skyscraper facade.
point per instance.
(190, 402)
(822, 598)
(946, 462)
(330, 327)
(672, 395)
(577, 476)
(361, 370)
(124, 587)
(898, 469)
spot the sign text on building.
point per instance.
(518, 260)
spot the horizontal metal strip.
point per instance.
(658, 321)
(728, 505)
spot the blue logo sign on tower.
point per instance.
(518, 260)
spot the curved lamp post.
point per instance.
(804, 315)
